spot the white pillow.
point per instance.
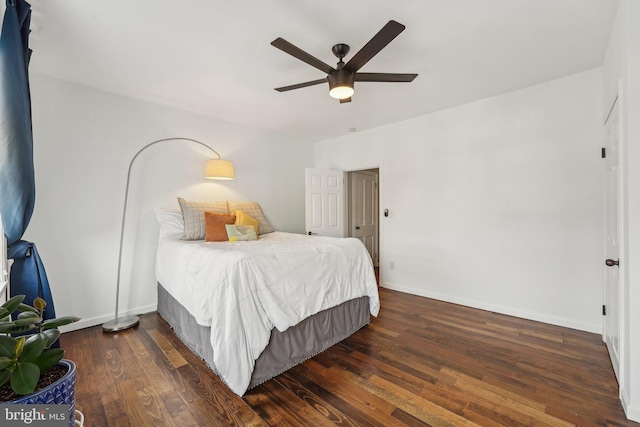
(171, 223)
(193, 216)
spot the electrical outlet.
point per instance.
(392, 265)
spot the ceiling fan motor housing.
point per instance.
(341, 79)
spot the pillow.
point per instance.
(171, 223)
(193, 216)
(253, 209)
(239, 233)
(215, 226)
(246, 219)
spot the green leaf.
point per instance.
(34, 337)
(60, 321)
(33, 350)
(10, 328)
(5, 327)
(4, 377)
(49, 358)
(12, 304)
(8, 346)
(5, 362)
(28, 314)
(24, 378)
(50, 336)
(25, 307)
(27, 321)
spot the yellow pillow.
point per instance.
(246, 219)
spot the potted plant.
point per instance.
(31, 372)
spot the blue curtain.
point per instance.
(17, 183)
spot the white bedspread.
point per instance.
(244, 289)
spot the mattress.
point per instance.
(244, 290)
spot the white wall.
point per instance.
(84, 140)
(621, 70)
(495, 204)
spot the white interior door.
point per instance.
(324, 202)
(612, 234)
(364, 210)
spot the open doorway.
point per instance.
(362, 206)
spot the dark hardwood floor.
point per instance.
(421, 362)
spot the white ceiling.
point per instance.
(214, 57)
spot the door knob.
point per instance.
(611, 262)
(357, 227)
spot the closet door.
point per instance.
(324, 202)
(363, 197)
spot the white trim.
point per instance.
(99, 320)
(632, 412)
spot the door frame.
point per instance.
(616, 100)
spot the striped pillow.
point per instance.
(193, 216)
(253, 209)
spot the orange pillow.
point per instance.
(215, 230)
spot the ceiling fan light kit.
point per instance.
(341, 84)
(341, 78)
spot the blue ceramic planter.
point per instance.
(60, 392)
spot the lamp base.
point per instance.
(120, 324)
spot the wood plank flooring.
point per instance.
(420, 363)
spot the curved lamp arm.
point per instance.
(215, 169)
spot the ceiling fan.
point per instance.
(341, 78)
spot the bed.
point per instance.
(253, 309)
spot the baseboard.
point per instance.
(99, 320)
(632, 412)
(567, 323)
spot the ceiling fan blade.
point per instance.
(342, 101)
(375, 45)
(384, 77)
(303, 56)
(301, 85)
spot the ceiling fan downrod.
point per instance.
(340, 50)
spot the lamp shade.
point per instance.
(218, 169)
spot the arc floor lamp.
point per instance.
(214, 169)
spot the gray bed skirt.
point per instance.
(285, 349)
